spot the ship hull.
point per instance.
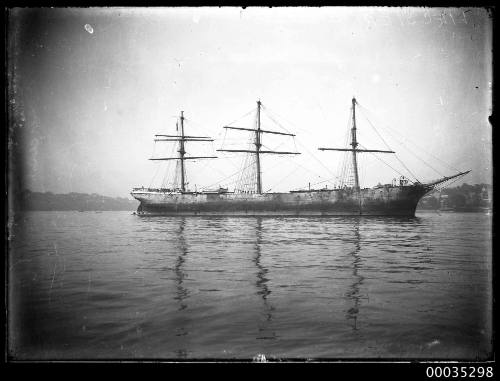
(383, 201)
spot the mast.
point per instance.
(354, 144)
(182, 152)
(257, 150)
(258, 131)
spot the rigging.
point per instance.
(181, 139)
(258, 144)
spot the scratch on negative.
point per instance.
(88, 288)
(52, 282)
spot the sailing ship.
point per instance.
(400, 198)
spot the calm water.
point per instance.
(113, 285)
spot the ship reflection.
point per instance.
(181, 291)
(353, 294)
(263, 291)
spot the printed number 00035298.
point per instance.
(459, 372)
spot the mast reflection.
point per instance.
(262, 287)
(182, 293)
(353, 294)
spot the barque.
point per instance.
(400, 198)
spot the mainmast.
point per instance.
(258, 145)
(182, 152)
(354, 145)
(257, 150)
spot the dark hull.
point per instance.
(385, 201)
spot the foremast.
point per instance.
(181, 139)
(258, 145)
(354, 144)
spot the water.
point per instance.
(112, 285)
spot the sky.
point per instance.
(90, 87)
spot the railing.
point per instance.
(168, 190)
(154, 189)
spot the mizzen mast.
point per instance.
(182, 152)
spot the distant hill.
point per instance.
(464, 196)
(461, 198)
(73, 201)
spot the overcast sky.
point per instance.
(93, 86)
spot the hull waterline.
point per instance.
(384, 201)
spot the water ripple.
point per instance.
(113, 285)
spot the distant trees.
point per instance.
(73, 201)
(429, 203)
(464, 196)
(457, 200)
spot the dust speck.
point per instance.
(89, 28)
